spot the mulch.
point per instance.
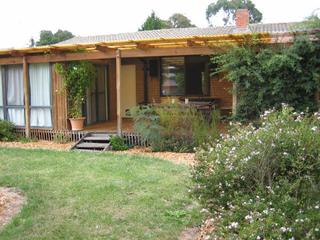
(177, 158)
(37, 145)
(11, 202)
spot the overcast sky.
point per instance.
(22, 19)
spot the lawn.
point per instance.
(74, 195)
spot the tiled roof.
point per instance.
(182, 33)
(273, 27)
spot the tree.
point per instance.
(47, 37)
(230, 7)
(153, 22)
(178, 20)
(61, 35)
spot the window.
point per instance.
(173, 80)
(14, 94)
(185, 76)
(40, 95)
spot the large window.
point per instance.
(185, 76)
(12, 95)
(40, 95)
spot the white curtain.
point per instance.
(1, 96)
(15, 94)
(40, 92)
(16, 115)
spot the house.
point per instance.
(133, 68)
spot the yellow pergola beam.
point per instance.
(138, 44)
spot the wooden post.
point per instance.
(26, 96)
(234, 98)
(118, 87)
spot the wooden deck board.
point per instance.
(110, 126)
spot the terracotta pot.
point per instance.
(77, 123)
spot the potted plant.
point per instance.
(77, 77)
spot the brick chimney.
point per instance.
(242, 18)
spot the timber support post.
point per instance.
(234, 99)
(118, 87)
(26, 92)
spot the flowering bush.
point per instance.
(263, 182)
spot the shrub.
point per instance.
(118, 143)
(6, 131)
(263, 183)
(173, 127)
(61, 138)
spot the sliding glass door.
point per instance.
(97, 97)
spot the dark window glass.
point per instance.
(173, 77)
(197, 76)
(185, 76)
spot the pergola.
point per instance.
(195, 45)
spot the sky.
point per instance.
(21, 20)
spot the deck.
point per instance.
(110, 126)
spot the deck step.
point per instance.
(92, 145)
(94, 142)
(97, 139)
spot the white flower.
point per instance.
(258, 237)
(316, 207)
(314, 128)
(292, 238)
(233, 225)
(248, 218)
(283, 229)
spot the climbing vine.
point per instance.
(267, 76)
(77, 76)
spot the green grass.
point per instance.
(74, 195)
